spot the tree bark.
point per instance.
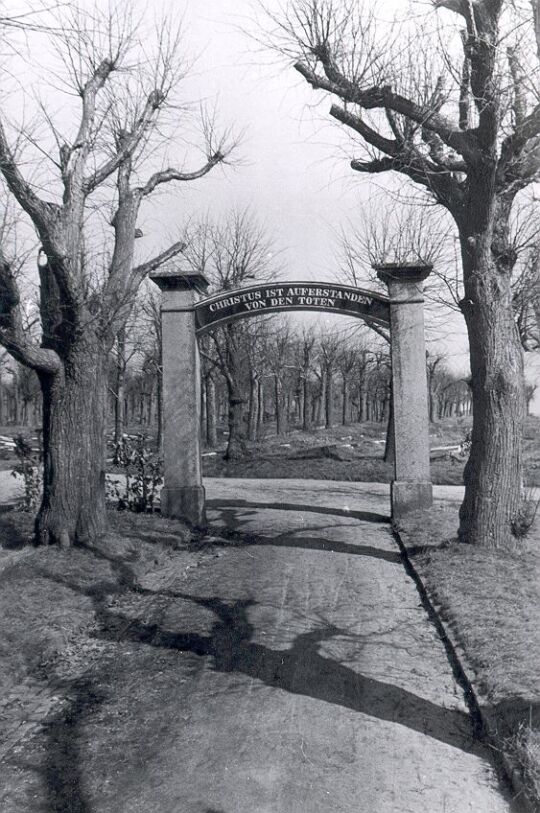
(119, 395)
(202, 415)
(345, 402)
(432, 404)
(280, 406)
(74, 419)
(236, 447)
(306, 422)
(329, 401)
(211, 420)
(389, 446)
(260, 407)
(253, 406)
(321, 399)
(493, 472)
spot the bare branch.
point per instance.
(383, 97)
(374, 138)
(142, 270)
(39, 210)
(167, 175)
(12, 334)
(129, 142)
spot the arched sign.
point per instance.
(292, 296)
(185, 316)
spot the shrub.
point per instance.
(143, 472)
(525, 516)
(28, 467)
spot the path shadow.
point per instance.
(61, 772)
(363, 516)
(301, 669)
(234, 519)
(328, 545)
(12, 535)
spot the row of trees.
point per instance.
(292, 378)
(450, 102)
(468, 140)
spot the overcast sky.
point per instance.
(293, 160)
(294, 172)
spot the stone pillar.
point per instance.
(182, 495)
(411, 488)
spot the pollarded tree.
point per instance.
(232, 254)
(457, 111)
(329, 350)
(105, 172)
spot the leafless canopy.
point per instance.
(93, 164)
(431, 101)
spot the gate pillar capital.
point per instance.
(411, 486)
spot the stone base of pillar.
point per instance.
(406, 497)
(184, 503)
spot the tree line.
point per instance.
(445, 99)
(292, 377)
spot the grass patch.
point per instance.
(50, 597)
(362, 447)
(490, 601)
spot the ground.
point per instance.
(286, 664)
(489, 603)
(353, 452)
(70, 620)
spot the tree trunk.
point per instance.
(119, 395)
(253, 407)
(345, 403)
(432, 402)
(260, 407)
(211, 421)
(320, 401)
(236, 447)
(280, 405)
(329, 401)
(74, 421)
(159, 404)
(389, 446)
(306, 423)
(493, 472)
(300, 403)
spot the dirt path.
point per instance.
(292, 671)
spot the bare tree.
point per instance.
(526, 299)
(281, 366)
(329, 350)
(434, 362)
(469, 137)
(150, 317)
(232, 254)
(123, 103)
(305, 349)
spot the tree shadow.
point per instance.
(291, 538)
(62, 772)
(14, 536)
(302, 670)
(363, 516)
(317, 543)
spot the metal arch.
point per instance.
(256, 300)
